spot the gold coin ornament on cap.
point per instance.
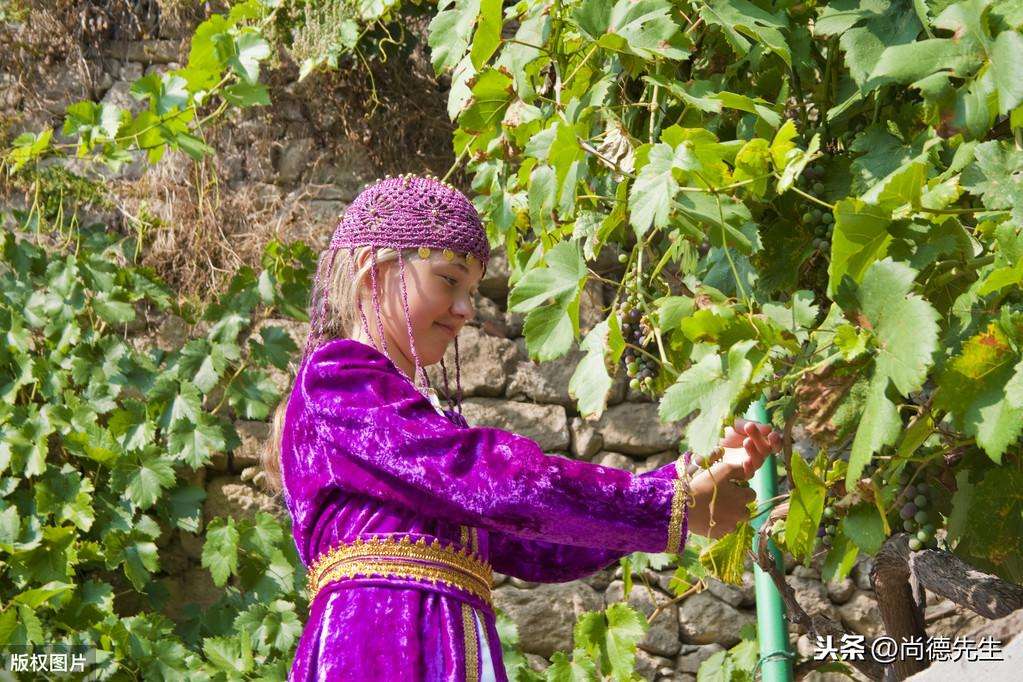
(449, 254)
(469, 258)
(424, 253)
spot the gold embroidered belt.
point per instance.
(431, 562)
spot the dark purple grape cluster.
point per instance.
(916, 514)
(640, 368)
(812, 179)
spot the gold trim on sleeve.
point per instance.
(681, 500)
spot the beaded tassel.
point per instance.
(408, 321)
(376, 304)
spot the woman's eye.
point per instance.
(452, 280)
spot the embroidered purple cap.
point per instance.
(403, 212)
(409, 212)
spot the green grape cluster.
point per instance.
(820, 223)
(640, 368)
(916, 514)
(828, 526)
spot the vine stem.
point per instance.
(969, 266)
(580, 64)
(811, 368)
(234, 376)
(734, 185)
(960, 211)
(458, 159)
(525, 44)
(830, 207)
(674, 600)
(728, 254)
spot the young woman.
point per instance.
(400, 509)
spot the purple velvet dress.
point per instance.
(365, 454)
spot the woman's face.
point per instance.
(440, 301)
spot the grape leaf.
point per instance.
(906, 330)
(590, 382)
(249, 50)
(644, 28)
(144, 477)
(651, 195)
(274, 626)
(449, 32)
(996, 175)
(220, 551)
(1007, 70)
(165, 92)
(864, 526)
(561, 279)
(277, 348)
(252, 394)
(905, 325)
(806, 505)
(878, 426)
(550, 330)
(625, 627)
(194, 444)
(978, 388)
(995, 523)
(884, 23)
(860, 238)
(742, 21)
(752, 163)
(726, 557)
(488, 33)
(841, 557)
(580, 668)
(492, 92)
(914, 61)
(183, 507)
(713, 388)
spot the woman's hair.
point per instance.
(339, 314)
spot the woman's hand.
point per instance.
(739, 454)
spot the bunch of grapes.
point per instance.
(638, 366)
(916, 517)
(812, 179)
(817, 222)
(828, 526)
(821, 224)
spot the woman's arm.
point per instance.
(356, 423)
(548, 562)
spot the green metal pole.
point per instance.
(772, 628)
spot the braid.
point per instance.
(447, 389)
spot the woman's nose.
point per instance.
(464, 307)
